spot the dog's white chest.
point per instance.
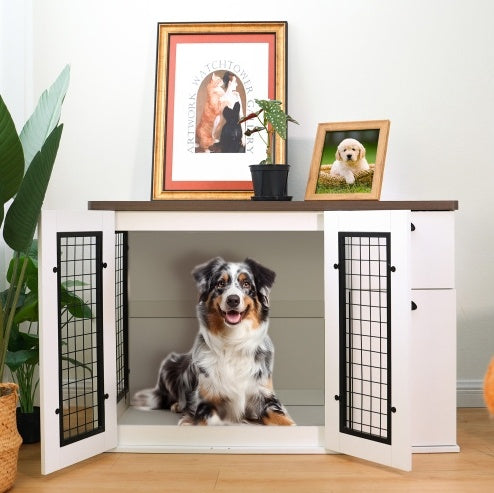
(230, 376)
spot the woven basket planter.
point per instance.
(10, 440)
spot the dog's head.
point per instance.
(233, 294)
(350, 151)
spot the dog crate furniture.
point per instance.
(364, 324)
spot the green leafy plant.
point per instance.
(274, 121)
(23, 350)
(26, 163)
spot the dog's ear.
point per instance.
(361, 151)
(263, 279)
(338, 155)
(202, 273)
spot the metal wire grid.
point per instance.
(79, 270)
(121, 313)
(365, 335)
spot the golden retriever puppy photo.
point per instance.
(350, 158)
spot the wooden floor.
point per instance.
(472, 470)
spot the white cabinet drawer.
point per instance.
(434, 368)
(432, 250)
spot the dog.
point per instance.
(350, 158)
(227, 377)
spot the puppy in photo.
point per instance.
(227, 377)
(350, 158)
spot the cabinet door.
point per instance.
(434, 375)
(77, 336)
(433, 250)
(367, 327)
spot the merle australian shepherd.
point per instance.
(226, 378)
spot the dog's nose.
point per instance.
(349, 156)
(233, 301)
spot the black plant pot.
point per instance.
(28, 425)
(270, 181)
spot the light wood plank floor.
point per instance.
(472, 470)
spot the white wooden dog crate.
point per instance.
(363, 320)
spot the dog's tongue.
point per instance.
(233, 317)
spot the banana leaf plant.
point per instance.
(274, 121)
(23, 350)
(26, 163)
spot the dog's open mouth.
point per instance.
(233, 317)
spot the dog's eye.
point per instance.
(246, 285)
(221, 283)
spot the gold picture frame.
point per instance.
(348, 172)
(191, 57)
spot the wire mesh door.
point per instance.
(80, 336)
(121, 313)
(365, 335)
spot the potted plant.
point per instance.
(26, 162)
(23, 350)
(270, 182)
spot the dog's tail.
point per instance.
(145, 399)
(148, 399)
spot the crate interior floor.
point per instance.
(309, 415)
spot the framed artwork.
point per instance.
(348, 161)
(207, 77)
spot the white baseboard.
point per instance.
(469, 393)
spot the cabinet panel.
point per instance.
(432, 252)
(434, 368)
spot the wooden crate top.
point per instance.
(273, 206)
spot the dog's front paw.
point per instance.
(273, 418)
(186, 420)
(175, 408)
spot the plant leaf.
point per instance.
(15, 359)
(30, 340)
(250, 116)
(76, 363)
(31, 275)
(28, 312)
(11, 155)
(72, 283)
(45, 116)
(15, 341)
(22, 216)
(251, 131)
(275, 115)
(75, 305)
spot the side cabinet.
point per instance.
(433, 332)
(374, 407)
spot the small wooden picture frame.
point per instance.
(348, 161)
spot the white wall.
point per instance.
(15, 44)
(425, 65)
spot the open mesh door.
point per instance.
(77, 336)
(367, 329)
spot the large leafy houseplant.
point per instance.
(26, 163)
